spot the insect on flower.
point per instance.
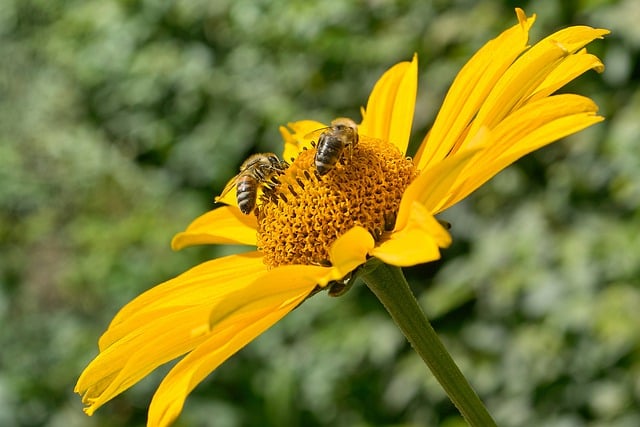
(333, 141)
(258, 171)
(312, 229)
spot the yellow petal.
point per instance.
(348, 252)
(298, 136)
(513, 135)
(416, 243)
(208, 282)
(275, 286)
(162, 324)
(534, 74)
(533, 126)
(572, 67)
(165, 336)
(225, 224)
(169, 399)
(238, 321)
(518, 83)
(576, 37)
(433, 187)
(391, 105)
(470, 89)
(528, 73)
(229, 194)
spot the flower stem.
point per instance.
(390, 286)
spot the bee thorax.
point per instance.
(342, 134)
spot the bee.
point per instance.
(340, 136)
(259, 170)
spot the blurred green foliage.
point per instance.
(119, 120)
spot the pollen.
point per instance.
(305, 213)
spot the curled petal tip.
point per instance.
(523, 20)
(599, 67)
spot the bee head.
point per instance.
(347, 127)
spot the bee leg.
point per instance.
(350, 151)
(347, 154)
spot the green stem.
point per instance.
(390, 286)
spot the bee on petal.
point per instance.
(258, 171)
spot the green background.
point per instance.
(120, 120)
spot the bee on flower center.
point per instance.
(341, 136)
(258, 171)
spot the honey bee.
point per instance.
(258, 170)
(340, 136)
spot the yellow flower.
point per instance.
(312, 231)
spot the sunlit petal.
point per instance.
(572, 67)
(575, 37)
(229, 194)
(517, 83)
(225, 224)
(233, 324)
(169, 399)
(470, 89)
(533, 126)
(390, 108)
(348, 252)
(167, 334)
(419, 241)
(208, 283)
(512, 134)
(298, 136)
(162, 324)
(529, 71)
(432, 188)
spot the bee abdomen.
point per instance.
(328, 154)
(246, 195)
(322, 167)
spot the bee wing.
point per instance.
(294, 137)
(228, 195)
(315, 134)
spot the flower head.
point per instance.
(364, 192)
(312, 228)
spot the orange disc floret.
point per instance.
(300, 218)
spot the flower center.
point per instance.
(302, 216)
